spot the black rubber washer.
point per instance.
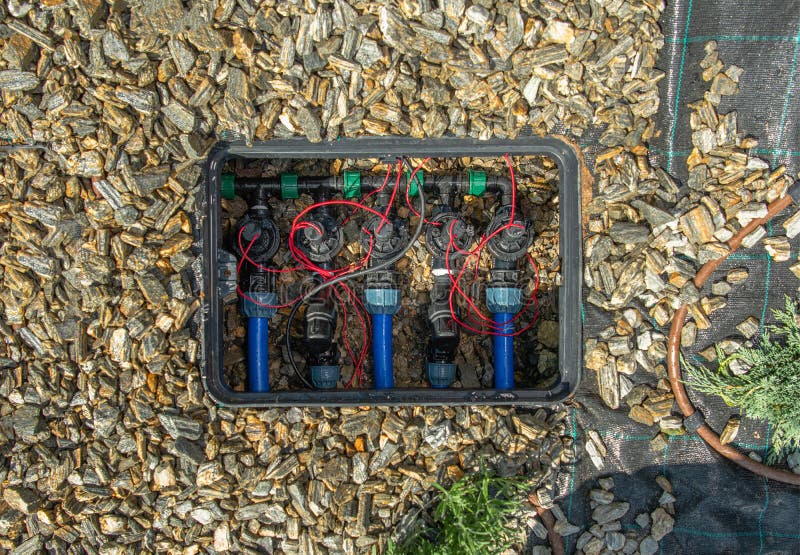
(692, 423)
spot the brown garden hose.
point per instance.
(673, 360)
(549, 521)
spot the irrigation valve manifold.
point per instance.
(317, 238)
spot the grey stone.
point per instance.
(657, 218)
(627, 233)
(114, 47)
(21, 499)
(564, 528)
(15, 80)
(31, 546)
(649, 546)
(614, 541)
(662, 523)
(180, 115)
(643, 520)
(270, 513)
(606, 483)
(188, 451)
(180, 426)
(601, 496)
(105, 419)
(613, 511)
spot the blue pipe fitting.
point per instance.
(441, 374)
(260, 305)
(382, 350)
(504, 299)
(325, 376)
(258, 338)
(382, 301)
(504, 351)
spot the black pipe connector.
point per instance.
(320, 239)
(448, 236)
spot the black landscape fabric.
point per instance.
(720, 508)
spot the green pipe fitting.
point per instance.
(351, 184)
(226, 186)
(413, 186)
(289, 186)
(477, 182)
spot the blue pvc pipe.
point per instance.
(257, 355)
(382, 350)
(504, 352)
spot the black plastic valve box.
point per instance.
(569, 294)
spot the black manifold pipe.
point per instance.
(443, 184)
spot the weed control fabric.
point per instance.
(720, 508)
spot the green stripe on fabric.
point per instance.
(792, 72)
(735, 38)
(761, 517)
(680, 83)
(572, 473)
(742, 534)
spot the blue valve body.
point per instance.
(504, 352)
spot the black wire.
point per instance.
(295, 308)
(345, 277)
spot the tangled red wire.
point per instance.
(488, 326)
(346, 296)
(343, 293)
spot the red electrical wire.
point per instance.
(494, 328)
(238, 270)
(327, 274)
(392, 196)
(375, 192)
(253, 262)
(344, 294)
(358, 363)
(343, 307)
(303, 259)
(408, 199)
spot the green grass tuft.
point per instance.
(470, 518)
(771, 389)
